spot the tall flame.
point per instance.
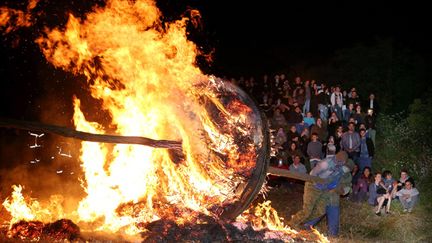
(144, 72)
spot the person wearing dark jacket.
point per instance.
(367, 151)
(371, 103)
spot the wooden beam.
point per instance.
(295, 175)
(101, 138)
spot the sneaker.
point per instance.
(409, 210)
(405, 210)
(378, 213)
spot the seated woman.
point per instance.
(361, 187)
(378, 195)
(292, 151)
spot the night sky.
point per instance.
(249, 38)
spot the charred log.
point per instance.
(91, 137)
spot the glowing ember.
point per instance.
(263, 216)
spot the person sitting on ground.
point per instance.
(297, 166)
(377, 193)
(408, 196)
(385, 191)
(404, 177)
(361, 187)
(389, 182)
(356, 173)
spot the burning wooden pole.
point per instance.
(101, 138)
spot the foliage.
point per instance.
(401, 144)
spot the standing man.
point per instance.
(350, 142)
(336, 100)
(323, 199)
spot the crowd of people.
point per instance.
(312, 121)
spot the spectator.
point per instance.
(299, 96)
(293, 151)
(371, 103)
(358, 115)
(408, 196)
(404, 177)
(373, 189)
(378, 195)
(354, 98)
(370, 125)
(367, 150)
(333, 123)
(323, 98)
(314, 99)
(280, 137)
(292, 135)
(314, 150)
(336, 100)
(348, 113)
(355, 174)
(278, 120)
(389, 184)
(308, 96)
(297, 166)
(350, 142)
(309, 120)
(331, 147)
(320, 129)
(338, 137)
(361, 187)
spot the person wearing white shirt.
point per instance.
(408, 196)
(336, 100)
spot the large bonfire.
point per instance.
(144, 73)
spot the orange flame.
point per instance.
(12, 19)
(264, 216)
(144, 73)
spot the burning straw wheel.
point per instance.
(248, 126)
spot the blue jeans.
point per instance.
(410, 204)
(323, 110)
(338, 111)
(306, 107)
